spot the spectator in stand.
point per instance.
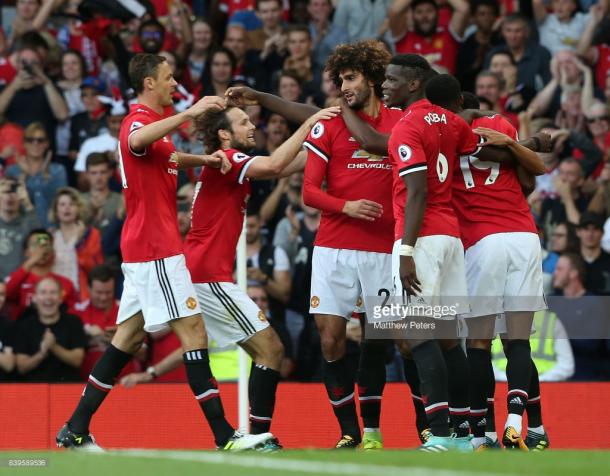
(49, 343)
(11, 138)
(31, 15)
(514, 97)
(247, 62)
(7, 337)
(17, 220)
(562, 28)
(266, 27)
(361, 19)
(532, 59)
(98, 315)
(42, 177)
(72, 73)
(151, 35)
(203, 43)
(571, 200)
(102, 205)
(472, 52)
(580, 314)
(489, 86)
(288, 191)
(9, 64)
(600, 203)
(178, 30)
(299, 57)
(218, 72)
(289, 86)
(31, 96)
(77, 246)
(597, 261)
(91, 122)
(437, 44)
(597, 117)
(324, 34)
(597, 55)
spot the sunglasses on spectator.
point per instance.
(35, 140)
(591, 120)
(151, 34)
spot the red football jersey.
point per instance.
(441, 49)
(602, 66)
(218, 214)
(429, 138)
(149, 182)
(487, 197)
(351, 173)
(7, 71)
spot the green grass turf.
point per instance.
(315, 462)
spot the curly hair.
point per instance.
(208, 124)
(369, 57)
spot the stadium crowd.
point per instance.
(64, 92)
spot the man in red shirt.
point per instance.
(217, 219)
(158, 290)
(98, 315)
(21, 283)
(503, 267)
(437, 44)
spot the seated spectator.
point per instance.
(361, 19)
(7, 336)
(472, 52)
(580, 315)
(17, 220)
(289, 86)
(598, 124)
(562, 28)
(38, 264)
(92, 121)
(98, 315)
(151, 37)
(532, 59)
(49, 344)
(101, 204)
(597, 261)
(11, 138)
(299, 57)
(247, 63)
(489, 85)
(570, 201)
(42, 176)
(31, 96)
(203, 42)
(218, 73)
(324, 34)
(551, 350)
(437, 44)
(563, 240)
(77, 246)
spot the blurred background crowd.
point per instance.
(545, 65)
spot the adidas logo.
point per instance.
(482, 422)
(516, 401)
(464, 425)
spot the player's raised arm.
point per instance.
(266, 167)
(294, 112)
(149, 133)
(368, 137)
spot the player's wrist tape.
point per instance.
(151, 371)
(406, 250)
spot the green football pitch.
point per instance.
(312, 462)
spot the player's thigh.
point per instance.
(375, 275)
(230, 316)
(130, 334)
(191, 332)
(428, 256)
(335, 288)
(486, 271)
(519, 324)
(453, 289)
(524, 287)
(481, 330)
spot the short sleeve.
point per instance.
(466, 140)
(240, 162)
(406, 145)
(318, 140)
(134, 123)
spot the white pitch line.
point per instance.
(297, 465)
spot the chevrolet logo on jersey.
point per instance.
(363, 154)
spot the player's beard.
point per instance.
(243, 145)
(361, 99)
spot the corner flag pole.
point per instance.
(242, 381)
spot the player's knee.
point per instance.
(333, 347)
(191, 333)
(483, 344)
